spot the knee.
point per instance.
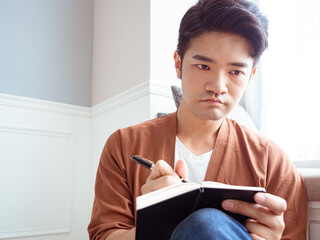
(210, 220)
(205, 222)
(210, 224)
(208, 213)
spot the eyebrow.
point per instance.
(203, 58)
(239, 64)
(210, 60)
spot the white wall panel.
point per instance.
(45, 169)
(35, 182)
(49, 153)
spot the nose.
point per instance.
(217, 83)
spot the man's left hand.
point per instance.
(265, 216)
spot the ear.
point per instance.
(253, 72)
(177, 64)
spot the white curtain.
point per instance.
(288, 110)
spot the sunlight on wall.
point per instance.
(291, 83)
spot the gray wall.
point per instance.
(46, 49)
(121, 47)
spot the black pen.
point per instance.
(146, 163)
(143, 161)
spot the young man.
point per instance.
(220, 43)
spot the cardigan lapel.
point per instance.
(217, 158)
(169, 139)
(215, 166)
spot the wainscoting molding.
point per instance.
(30, 162)
(49, 155)
(143, 89)
(44, 106)
(45, 154)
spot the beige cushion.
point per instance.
(311, 177)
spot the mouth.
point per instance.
(213, 101)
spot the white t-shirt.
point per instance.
(197, 165)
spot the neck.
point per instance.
(197, 134)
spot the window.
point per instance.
(289, 77)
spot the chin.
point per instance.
(213, 116)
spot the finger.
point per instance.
(159, 183)
(160, 169)
(276, 204)
(251, 210)
(256, 229)
(255, 211)
(181, 169)
(256, 237)
(261, 231)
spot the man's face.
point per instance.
(215, 71)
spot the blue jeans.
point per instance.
(210, 224)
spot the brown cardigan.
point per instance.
(240, 157)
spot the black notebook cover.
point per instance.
(158, 221)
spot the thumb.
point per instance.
(181, 169)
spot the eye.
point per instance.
(236, 72)
(203, 67)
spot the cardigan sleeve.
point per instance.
(295, 216)
(113, 206)
(285, 181)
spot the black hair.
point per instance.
(240, 17)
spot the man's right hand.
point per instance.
(163, 175)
